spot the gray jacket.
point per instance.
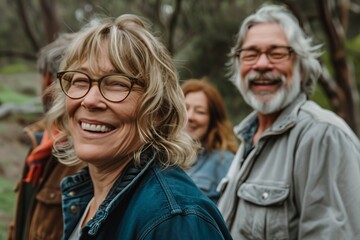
(300, 181)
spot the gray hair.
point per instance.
(306, 52)
(50, 56)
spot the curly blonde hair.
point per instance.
(133, 50)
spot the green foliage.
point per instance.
(354, 43)
(15, 68)
(3, 231)
(7, 200)
(8, 95)
(353, 50)
(7, 196)
(319, 97)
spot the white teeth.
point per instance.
(264, 82)
(95, 128)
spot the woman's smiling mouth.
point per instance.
(95, 127)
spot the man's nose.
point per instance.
(262, 61)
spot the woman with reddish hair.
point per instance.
(209, 125)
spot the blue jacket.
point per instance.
(208, 171)
(146, 203)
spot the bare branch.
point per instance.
(25, 23)
(343, 76)
(51, 22)
(172, 25)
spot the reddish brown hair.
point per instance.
(219, 135)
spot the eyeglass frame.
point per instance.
(267, 52)
(133, 81)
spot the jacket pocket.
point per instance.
(263, 210)
(46, 215)
(49, 196)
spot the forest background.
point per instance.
(198, 34)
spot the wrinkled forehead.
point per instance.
(98, 62)
(114, 50)
(265, 34)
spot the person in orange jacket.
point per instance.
(38, 213)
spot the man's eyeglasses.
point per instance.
(113, 87)
(274, 55)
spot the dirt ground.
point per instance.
(12, 154)
(13, 147)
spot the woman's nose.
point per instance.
(190, 114)
(94, 99)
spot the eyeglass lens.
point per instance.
(274, 55)
(113, 87)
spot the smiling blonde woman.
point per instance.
(119, 108)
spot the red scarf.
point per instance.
(36, 159)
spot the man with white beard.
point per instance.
(296, 174)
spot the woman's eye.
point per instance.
(201, 112)
(80, 82)
(116, 83)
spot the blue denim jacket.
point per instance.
(155, 203)
(208, 171)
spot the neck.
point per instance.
(103, 178)
(265, 121)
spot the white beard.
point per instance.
(269, 102)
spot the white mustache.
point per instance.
(255, 75)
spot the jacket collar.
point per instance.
(119, 190)
(82, 183)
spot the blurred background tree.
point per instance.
(199, 35)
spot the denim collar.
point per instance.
(82, 183)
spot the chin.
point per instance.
(272, 102)
(87, 153)
(268, 104)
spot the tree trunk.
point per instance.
(346, 90)
(172, 26)
(25, 23)
(51, 23)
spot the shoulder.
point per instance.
(319, 121)
(174, 187)
(34, 133)
(319, 115)
(221, 155)
(169, 195)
